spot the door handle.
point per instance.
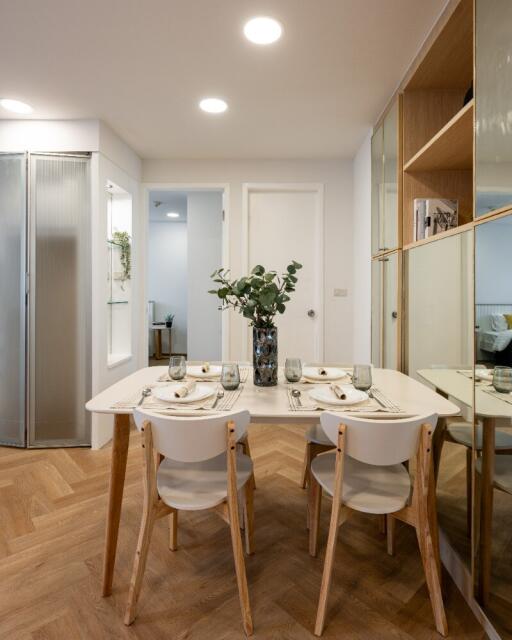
(311, 313)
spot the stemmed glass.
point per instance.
(293, 369)
(362, 377)
(230, 376)
(177, 367)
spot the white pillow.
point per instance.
(499, 322)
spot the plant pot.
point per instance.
(264, 356)
(168, 325)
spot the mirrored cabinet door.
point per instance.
(390, 181)
(493, 168)
(493, 412)
(376, 313)
(439, 353)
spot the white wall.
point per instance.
(337, 179)
(204, 223)
(167, 278)
(362, 252)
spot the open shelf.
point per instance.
(450, 148)
(439, 236)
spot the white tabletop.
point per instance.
(460, 387)
(270, 404)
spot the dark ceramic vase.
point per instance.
(264, 356)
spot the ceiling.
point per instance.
(143, 65)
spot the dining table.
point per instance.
(488, 409)
(266, 405)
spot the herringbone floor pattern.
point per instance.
(52, 509)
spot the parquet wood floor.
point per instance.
(52, 510)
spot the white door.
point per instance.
(285, 223)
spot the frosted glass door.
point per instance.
(376, 313)
(390, 311)
(12, 294)
(60, 300)
(390, 181)
(377, 204)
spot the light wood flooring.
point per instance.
(52, 509)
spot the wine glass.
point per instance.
(230, 376)
(502, 379)
(177, 367)
(293, 369)
(362, 377)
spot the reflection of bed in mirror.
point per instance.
(493, 333)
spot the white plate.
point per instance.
(332, 373)
(166, 393)
(194, 371)
(484, 374)
(325, 394)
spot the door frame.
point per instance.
(295, 187)
(147, 187)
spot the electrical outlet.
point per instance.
(340, 293)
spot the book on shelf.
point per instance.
(434, 215)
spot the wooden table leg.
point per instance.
(486, 509)
(120, 441)
(158, 344)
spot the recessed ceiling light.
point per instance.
(173, 214)
(263, 30)
(15, 106)
(213, 105)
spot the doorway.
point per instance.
(184, 246)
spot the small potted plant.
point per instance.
(168, 320)
(259, 297)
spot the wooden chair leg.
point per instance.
(236, 539)
(139, 564)
(390, 532)
(433, 578)
(333, 534)
(469, 495)
(306, 467)
(382, 524)
(173, 531)
(249, 517)
(314, 506)
(246, 450)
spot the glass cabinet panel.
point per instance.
(385, 271)
(377, 177)
(493, 413)
(390, 183)
(493, 163)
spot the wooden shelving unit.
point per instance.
(450, 148)
(437, 127)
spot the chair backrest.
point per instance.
(193, 439)
(377, 442)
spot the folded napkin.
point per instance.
(322, 371)
(185, 389)
(338, 391)
(205, 367)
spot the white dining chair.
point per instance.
(194, 464)
(316, 442)
(366, 473)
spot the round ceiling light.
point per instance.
(263, 30)
(16, 106)
(173, 214)
(213, 105)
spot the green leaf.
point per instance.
(281, 308)
(258, 270)
(291, 269)
(297, 265)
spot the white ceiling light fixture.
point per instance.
(173, 214)
(16, 106)
(263, 30)
(213, 105)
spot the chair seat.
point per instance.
(462, 433)
(366, 488)
(502, 472)
(199, 485)
(316, 435)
